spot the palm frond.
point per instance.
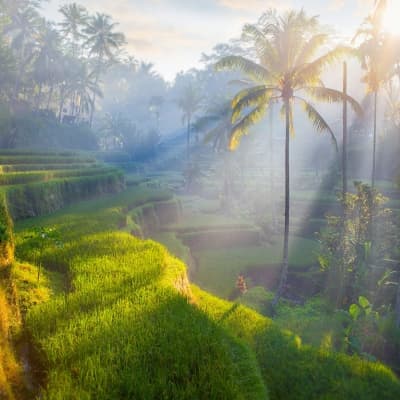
(262, 44)
(244, 93)
(317, 120)
(334, 96)
(308, 73)
(259, 95)
(250, 68)
(240, 82)
(311, 47)
(242, 127)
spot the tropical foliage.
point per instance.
(287, 71)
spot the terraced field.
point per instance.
(94, 295)
(128, 303)
(36, 183)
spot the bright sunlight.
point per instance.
(391, 21)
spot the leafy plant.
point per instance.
(354, 244)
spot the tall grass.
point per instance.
(126, 328)
(293, 371)
(129, 326)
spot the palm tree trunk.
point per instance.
(18, 76)
(271, 166)
(188, 139)
(50, 96)
(285, 261)
(38, 97)
(374, 140)
(227, 180)
(92, 108)
(60, 110)
(344, 149)
(99, 62)
(397, 309)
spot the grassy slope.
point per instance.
(295, 371)
(127, 309)
(10, 370)
(19, 291)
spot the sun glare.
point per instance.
(391, 19)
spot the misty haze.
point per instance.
(199, 199)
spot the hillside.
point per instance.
(85, 294)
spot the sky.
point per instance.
(173, 34)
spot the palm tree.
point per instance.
(287, 71)
(86, 86)
(75, 18)
(47, 59)
(377, 59)
(7, 66)
(189, 102)
(155, 105)
(217, 124)
(23, 31)
(102, 42)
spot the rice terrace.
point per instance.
(199, 200)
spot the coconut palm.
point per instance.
(189, 102)
(288, 71)
(74, 20)
(7, 65)
(103, 42)
(23, 30)
(47, 58)
(216, 123)
(86, 86)
(377, 59)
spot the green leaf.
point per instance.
(363, 301)
(354, 311)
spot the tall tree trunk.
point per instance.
(188, 138)
(73, 106)
(271, 165)
(20, 71)
(344, 149)
(285, 261)
(99, 63)
(397, 309)
(60, 110)
(374, 140)
(227, 179)
(50, 96)
(92, 108)
(38, 97)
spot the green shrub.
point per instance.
(42, 198)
